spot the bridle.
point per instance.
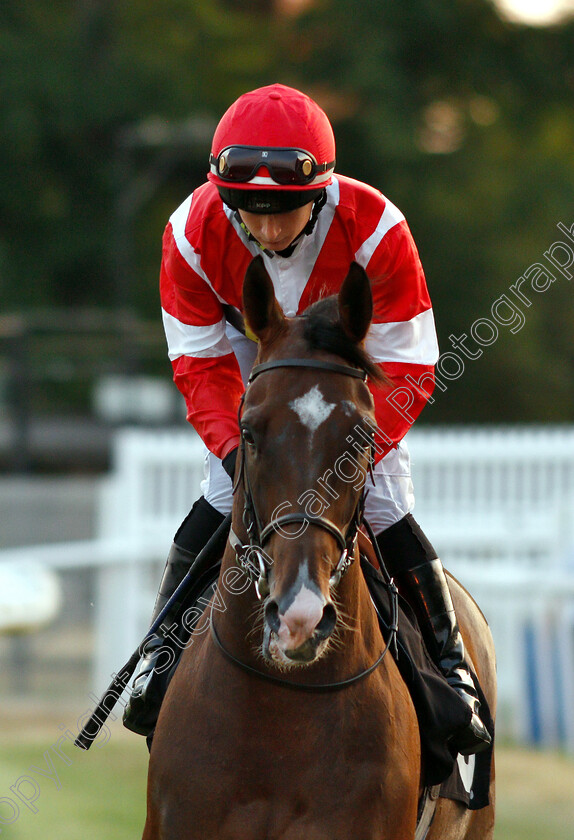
(252, 557)
(256, 563)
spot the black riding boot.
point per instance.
(421, 578)
(141, 712)
(142, 709)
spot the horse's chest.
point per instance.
(283, 776)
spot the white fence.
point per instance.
(496, 502)
(154, 480)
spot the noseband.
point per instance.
(252, 558)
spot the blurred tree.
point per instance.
(467, 123)
(92, 94)
(463, 120)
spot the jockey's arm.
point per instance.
(205, 368)
(402, 337)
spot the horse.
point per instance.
(287, 717)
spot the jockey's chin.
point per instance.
(276, 231)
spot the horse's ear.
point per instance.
(262, 312)
(356, 303)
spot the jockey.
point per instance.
(272, 190)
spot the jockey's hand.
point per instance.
(229, 462)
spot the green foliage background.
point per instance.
(465, 121)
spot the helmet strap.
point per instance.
(318, 204)
(250, 236)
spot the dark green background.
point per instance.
(463, 120)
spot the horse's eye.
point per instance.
(247, 436)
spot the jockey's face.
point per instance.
(276, 231)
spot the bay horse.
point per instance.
(285, 720)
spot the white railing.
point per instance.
(154, 480)
(496, 502)
(498, 505)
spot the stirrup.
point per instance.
(141, 681)
(142, 709)
(474, 738)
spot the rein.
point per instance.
(296, 686)
(258, 536)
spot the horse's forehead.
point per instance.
(312, 408)
(311, 397)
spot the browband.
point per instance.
(310, 363)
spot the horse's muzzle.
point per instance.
(297, 638)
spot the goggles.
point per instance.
(287, 167)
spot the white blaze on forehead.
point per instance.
(312, 408)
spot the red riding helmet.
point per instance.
(273, 151)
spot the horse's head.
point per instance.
(306, 426)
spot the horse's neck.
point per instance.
(361, 626)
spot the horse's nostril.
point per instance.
(272, 615)
(327, 623)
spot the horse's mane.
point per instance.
(324, 331)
